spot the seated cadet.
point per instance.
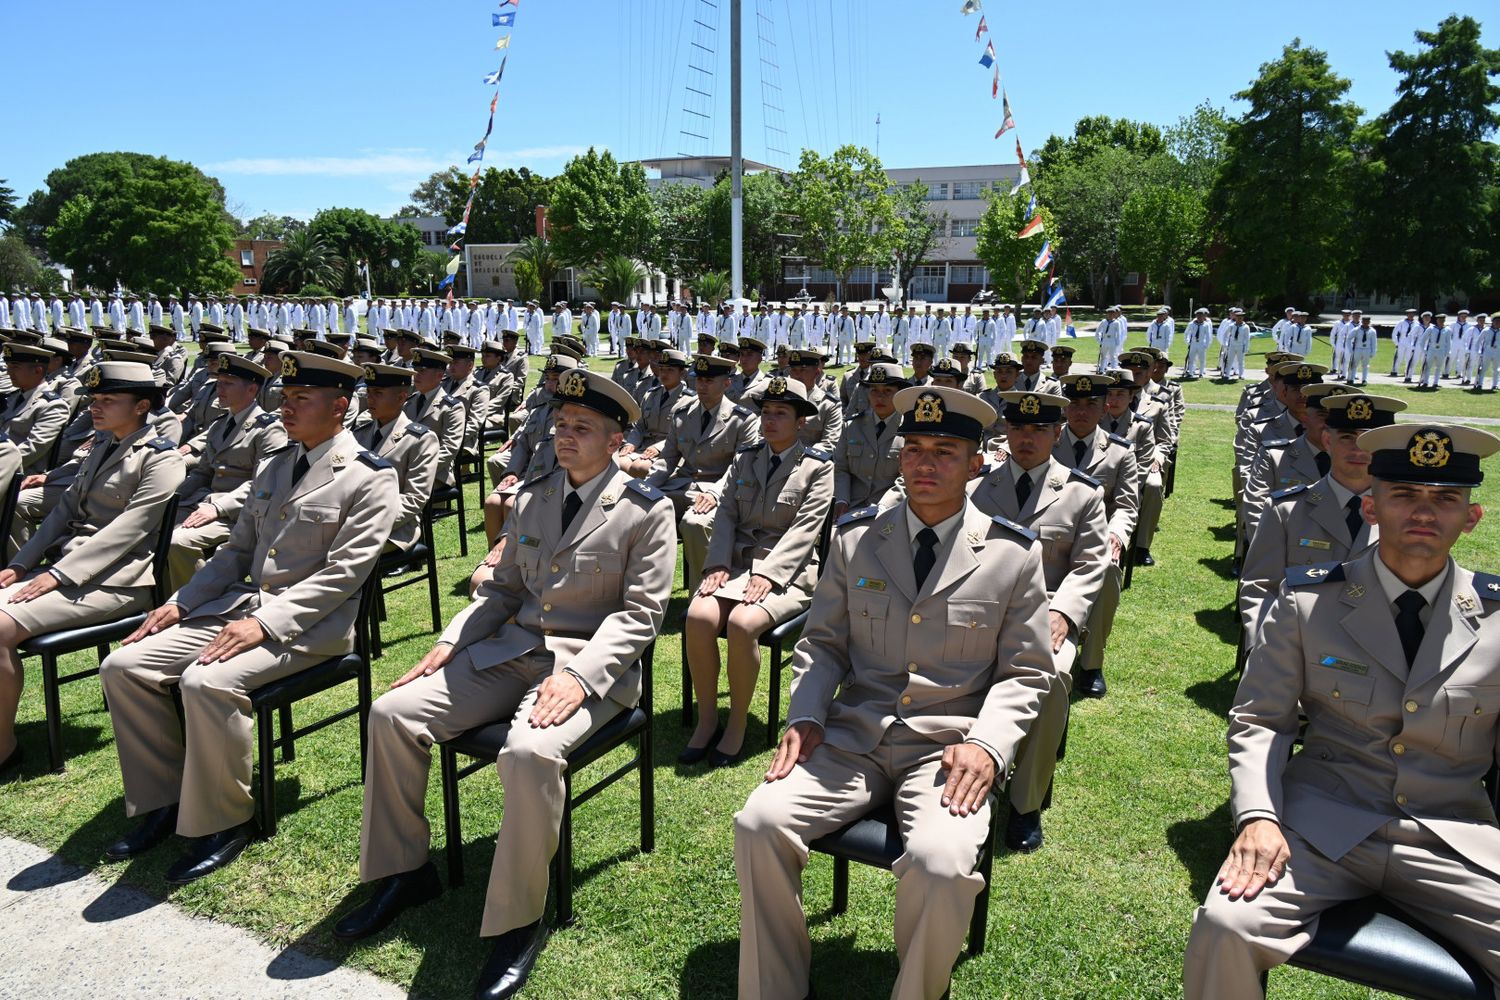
(706, 432)
(525, 456)
(945, 372)
(852, 385)
(441, 412)
(1032, 378)
(1065, 507)
(1062, 360)
(257, 337)
(1006, 369)
(180, 398)
(170, 364)
(555, 652)
(894, 700)
(99, 540)
(749, 379)
(402, 342)
(32, 416)
(1168, 392)
(218, 483)
(1110, 459)
(502, 385)
(1290, 461)
(761, 567)
(412, 449)
(203, 408)
(1321, 521)
(644, 440)
(1138, 365)
(281, 595)
(868, 458)
(970, 379)
(1121, 421)
(922, 356)
(822, 430)
(60, 378)
(463, 386)
(1394, 658)
(535, 417)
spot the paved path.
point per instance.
(70, 934)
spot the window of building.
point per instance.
(968, 274)
(250, 281)
(967, 190)
(937, 192)
(247, 258)
(965, 227)
(1132, 278)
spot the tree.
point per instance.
(528, 285)
(1282, 200)
(304, 260)
(1198, 143)
(427, 269)
(1161, 234)
(272, 227)
(616, 277)
(148, 223)
(434, 196)
(683, 244)
(1096, 133)
(354, 235)
(7, 202)
(536, 253)
(19, 267)
(1429, 167)
(712, 287)
(765, 220)
(915, 230)
(1009, 259)
(844, 208)
(505, 203)
(598, 208)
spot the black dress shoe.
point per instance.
(1023, 832)
(1143, 558)
(154, 827)
(16, 759)
(721, 759)
(510, 962)
(393, 895)
(1091, 684)
(692, 755)
(211, 853)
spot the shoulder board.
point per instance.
(1085, 477)
(286, 447)
(49, 395)
(452, 400)
(744, 448)
(539, 476)
(1290, 491)
(1305, 576)
(374, 461)
(1265, 420)
(1024, 532)
(684, 401)
(817, 455)
(1488, 585)
(161, 444)
(741, 411)
(1278, 443)
(858, 514)
(417, 428)
(854, 416)
(645, 489)
(266, 419)
(1144, 420)
(1119, 440)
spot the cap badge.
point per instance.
(1084, 385)
(929, 409)
(369, 373)
(574, 384)
(288, 366)
(90, 381)
(777, 387)
(223, 364)
(1430, 449)
(877, 375)
(1030, 406)
(1304, 373)
(9, 353)
(701, 366)
(1361, 409)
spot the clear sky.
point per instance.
(305, 105)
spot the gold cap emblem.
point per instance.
(288, 366)
(700, 366)
(777, 387)
(573, 385)
(1430, 449)
(1360, 408)
(877, 374)
(90, 381)
(223, 363)
(929, 409)
(1030, 406)
(1084, 385)
(370, 373)
(1304, 373)
(9, 353)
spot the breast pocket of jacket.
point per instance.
(1471, 718)
(1345, 692)
(868, 618)
(599, 573)
(321, 520)
(972, 630)
(788, 501)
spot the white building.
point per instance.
(434, 230)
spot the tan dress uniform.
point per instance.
(974, 382)
(32, 421)
(894, 674)
(100, 538)
(1279, 465)
(476, 397)
(412, 449)
(35, 503)
(443, 414)
(1065, 508)
(1385, 795)
(586, 601)
(270, 394)
(1152, 480)
(170, 365)
(200, 416)
(180, 398)
(854, 395)
(694, 459)
(867, 461)
(740, 386)
(656, 417)
(233, 448)
(823, 431)
(525, 446)
(295, 560)
(769, 524)
(503, 395)
(1039, 382)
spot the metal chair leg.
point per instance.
(773, 710)
(288, 735)
(840, 885)
(54, 713)
(452, 837)
(362, 680)
(463, 522)
(432, 589)
(565, 917)
(648, 791)
(266, 749)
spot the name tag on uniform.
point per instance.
(1314, 543)
(866, 583)
(1348, 666)
(530, 541)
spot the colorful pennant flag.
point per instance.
(987, 60)
(969, 7)
(1031, 228)
(475, 156)
(1020, 156)
(493, 79)
(1010, 119)
(494, 101)
(506, 20)
(1068, 322)
(1045, 257)
(1031, 207)
(511, 3)
(445, 282)
(1021, 181)
(503, 43)
(995, 86)
(1057, 298)
(982, 28)
(459, 229)
(453, 264)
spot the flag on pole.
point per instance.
(477, 155)
(1031, 207)
(1010, 120)
(1057, 298)
(505, 20)
(511, 3)
(503, 43)
(494, 101)
(453, 264)
(995, 84)
(1031, 228)
(493, 79)
(1020, 156)
(982, 28)
(1068, 322)
(1021, 181)
(969, 7)
(1045, 257)
(459, 229)
(987, 60)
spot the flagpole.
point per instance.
(736, 160)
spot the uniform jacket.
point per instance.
(202, 411)
(412, 450)
(1110, 459)
(822, 432)
(693, 455)
(444, 415)
(865, 466)
(221, 475)
(1278, 465)
(656, 417)
(33, 424)
(526, 442)
(770, 524)
(477, 397)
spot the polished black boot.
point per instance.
(1091, 684)
(152, 828)
(392, 896)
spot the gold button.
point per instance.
(265, 586)
(1478, 710)
(911, 668)
(554, 567)
(546, 631)
(270, 552)
(1401, 798)
(598, 569)
(906, 699)
(864, 614)
(283, 517)
(1398, 749)
(546, 607)
(1411, 706)
(916, 619)
(1336, 693)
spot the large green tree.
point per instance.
(600, 208)
(1198, 143)
(1096, 133)
(146, 222)
(7, 202)
(1010, 259)
(843, 209)
(1431, 169)
(1162, 235)
(767, 234)
(1282, 200)
(19, 267)
(682, 247)
(305, 259)
(504, 205)
(354, 235)
(273, 227)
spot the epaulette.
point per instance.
(540, 475)
(747, 447)
(1290, 491)
(741, 411)
(1278, 443)
(645, 489)
(858, 514)
(1265, 420)
(854, 416)
(1021, 530)
(1302, 576)
(286, 447)
(452, 400)
(51, 396)
(1119, 440)
(374, 461)
(417, 428)
(1077, 474)
(816, 455)
(266, 419)
(162, 444)
(1144, 420)
(1488, 585)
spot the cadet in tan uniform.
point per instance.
(204, 407)
(868, 458)
(526, 455)
(1136, 368)
(32, 416)
(281, 595)
(411, 448)
(1065, 507)
(1394, 657)
(761, 567)
(1031, 377)
(99, 540)
(644, 440)
(214, 492)
(823, 429)
(925, 659)
(554, 650)
(171, 361)
(442, 412)
(749, 379)
(970, 379)
(463, 386)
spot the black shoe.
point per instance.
(392, 896)
(510, 962)
(16, 759)
(1143, 558)
(721, 759)
(693, 755)
(211, 853)
(154, 827)
(1023, 832)
(1091, 684)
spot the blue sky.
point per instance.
(301, 106)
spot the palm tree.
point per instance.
(711, 286)
(537, 251)
(303, 260)
(616, 277)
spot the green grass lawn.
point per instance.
(1138, 827)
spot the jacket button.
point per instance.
(916, 619)
(1411, 706)
(1478, 710)
(1398, 749)
(911, 668)
(265, 586)
(270, 552)
(554, 567)
(906, 699)
(546, 607)
(1335, 692)
(1400, 798)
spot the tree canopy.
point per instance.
(844, 209)
(354, 235)
(1011, 260)
(598, 208)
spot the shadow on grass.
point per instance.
(80, 735)
(1220, 566)
(838, 969)
(1201, 844)
(1228, 503)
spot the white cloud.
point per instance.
(388, 163)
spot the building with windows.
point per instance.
(250, 257)
(434, 230)
(699, 171)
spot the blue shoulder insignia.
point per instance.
(374, 461)
(1488, 586)
(1278, 443)
(1144, 420)
(645, 489)
(1304, 576)
(452, 400)
(817, 455)
(744, 448)
(284, 448)
(1290, 491)
(1087, 478)
(1119, 440)
(162, 444)
(417, 428)
(858, 514)
(266, 419)
(741, 411)
(51, 396)
(1021, 530)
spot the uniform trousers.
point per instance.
(1102, 618)
(936, 881)
(1037, 757)
(405, 722)
(1402, 363)
(1432, 366)
(1150, 514)
(190, 547)
(1234, 361)
(1489, 367)
(1197, 357)
(211, 785)
(70, 606)
(694, 530)
(1232, 943)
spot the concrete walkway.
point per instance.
(69, 933)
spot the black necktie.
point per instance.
(570, 509)
(1323, 462)
(775, 464)
(1078, 449)
(703, 422)
(1114, 425)
(1409, 623)
(1297, 431)
(926, 555)
(879, 429)
(421, 406)
(1353, 518)
(300, 469)
(109, 449)
(1023, 490)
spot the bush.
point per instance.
(317, 291)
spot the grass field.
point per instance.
(1139, 825)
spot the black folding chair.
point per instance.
(52, 645)
(776, 638)
(422, 556)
